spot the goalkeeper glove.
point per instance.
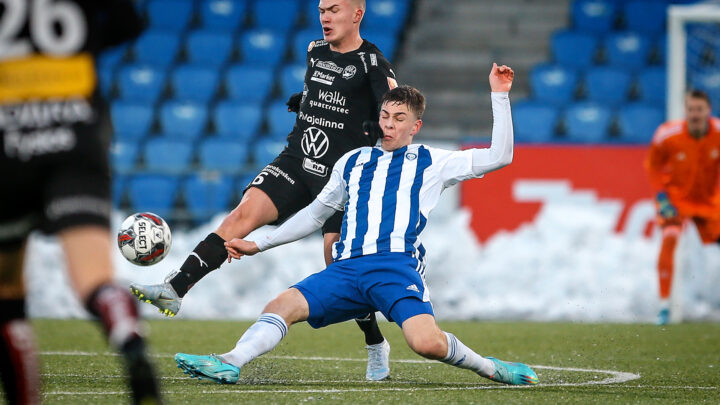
(373, 131)
(293, 102)
(665, 207)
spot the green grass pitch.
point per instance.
(576, 363)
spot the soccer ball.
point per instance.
(144, 238)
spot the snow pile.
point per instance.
(567, 265)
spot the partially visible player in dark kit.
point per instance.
(345, 79)
(55, 176)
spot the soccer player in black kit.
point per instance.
(345, 79)
(55, 176)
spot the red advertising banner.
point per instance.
(512, 196)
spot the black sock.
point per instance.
(117, 311)
(207, 256)
(369, 326)
(18, 361)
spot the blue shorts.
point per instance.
(351, 288)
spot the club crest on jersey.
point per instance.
(349, 72)
(411, 156)
(315, 142)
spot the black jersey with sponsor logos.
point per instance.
(49, 98)
(341, 91)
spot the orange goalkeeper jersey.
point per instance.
(687, 168)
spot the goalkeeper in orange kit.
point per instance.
(683, 165)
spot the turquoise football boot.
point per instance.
(212, 367)
(513, 373)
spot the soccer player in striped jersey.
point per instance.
(386, 194)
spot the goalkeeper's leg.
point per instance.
(666, 267)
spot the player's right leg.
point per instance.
(19, 368)
(271, 327)
(255, 210)
(671, 231)
(87, 250)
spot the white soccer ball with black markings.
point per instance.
(144, 238)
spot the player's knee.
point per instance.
(430, 346)
(290, 305)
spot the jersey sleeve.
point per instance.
(453, 166)
(334, 194)
(381, 75)
(656, 160)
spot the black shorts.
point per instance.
(53, 189)
(291, 188)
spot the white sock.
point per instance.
(259, 339)
(462, 356)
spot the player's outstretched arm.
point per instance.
(500, 153)
(302, 224)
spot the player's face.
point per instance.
(339, 19)
(697, 114)
(398, 124)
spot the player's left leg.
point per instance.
(671, 230)
(428, 340)
(378, 365)
(19, 368)
(87, 249)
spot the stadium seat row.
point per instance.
(163, 155)
(203, 194)
(559, 85)
(189, 120)
(261, 47)
(622, 49)
(586, 122)
(231, 15)
(602, 16)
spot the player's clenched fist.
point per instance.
(501, 78)
(238, 248)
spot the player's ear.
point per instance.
(359, 14)
(416, 127)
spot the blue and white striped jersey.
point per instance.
(387, 196)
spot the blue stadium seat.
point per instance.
(277, 15)
(652, 83)
(660, 49)
(131, 120)
(141, 83)
(209, 48)
(237, 120)
(222, 15)
(154, 193)
(573, 49)
(207, 194)
(106, 78)
(163, 155)
(195, 83)
(553, 84)
(157, 48)
(224, 155)
(172, 15)
(534, 122)
(280, 121)
(647, 16)
(627, 49)
(111, 58)
(292, 79)
(387, 43)
(608, 85)
(301, 41)
(123, 156)
(182, 118)
(265, 150)
(587, 122)
(249, 83)
(638, 122)
(119, 183)
(262, 47)
(593, 16)
(386, 15)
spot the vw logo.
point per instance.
(314, 142)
